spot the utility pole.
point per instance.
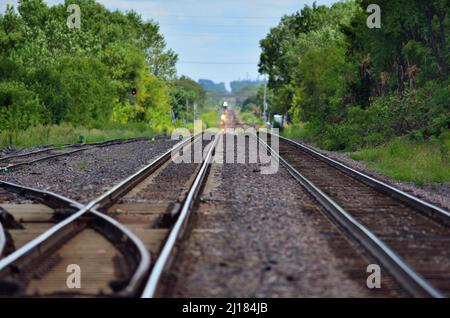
(265, 103)
(174, 119)
(186, 114)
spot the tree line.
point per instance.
(351, 86)
(50, 74)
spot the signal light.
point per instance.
(133, 91)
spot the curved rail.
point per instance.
(51, 199)
(64, 230)
(140, 249)
(2, 239)
(178, 228)
(405, 275)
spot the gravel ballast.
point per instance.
(87, 174)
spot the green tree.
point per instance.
(19, 108)
(185, 92)
(81, 75)
(75, 90)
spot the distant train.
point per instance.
(223, 116)
(225, 106)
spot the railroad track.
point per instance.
(125, 239)
(26, 213)
(121, 242)
(406, 235)
(12, 162)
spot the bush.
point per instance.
(125, 113)
(9, 70)
(75, 90)
(20, 108)
(297, 131)
(88, 90)
(250, 118)
(210, 119)
(411, 114)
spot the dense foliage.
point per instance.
(236, 86)
(254, 103)
(50, 74)
(210, 86)
(351, 86)
(188, 97)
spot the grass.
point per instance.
(250, 118)
(420, 162)
(65, 133)
(295, 131)
(210, 118)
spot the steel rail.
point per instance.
(107, 198)
(179, 226)
(65, 229)
(68, 153)
(404, 274)
(61, 232)
(51, 199)
(433, 211)
(50, 148)
(2, 239)
(144, 263)
(36, 244)
(83, 147)
(26, 154)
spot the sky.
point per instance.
(214, 39)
